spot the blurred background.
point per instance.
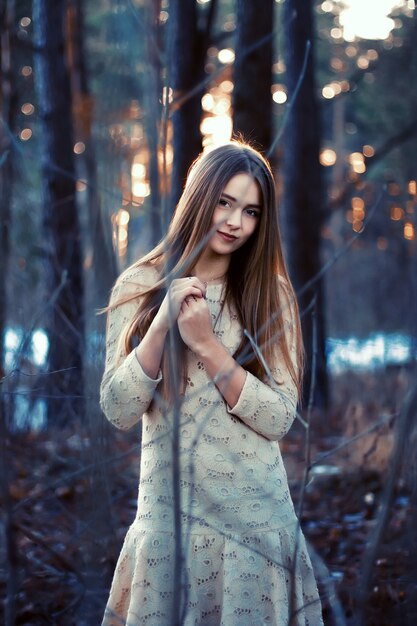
(104, 106)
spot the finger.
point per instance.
(196, 282)
(191, 291)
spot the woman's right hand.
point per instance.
(179, 289)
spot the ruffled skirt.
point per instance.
(260, 578)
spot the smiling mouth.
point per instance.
(227, 237)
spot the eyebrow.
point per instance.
(229, 197)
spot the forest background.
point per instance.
(104, 105)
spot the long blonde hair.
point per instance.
(252, 284)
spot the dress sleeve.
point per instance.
(126, 391)
(270, 407)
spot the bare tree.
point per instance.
(252, 102)
(62, 237)
(8, 101)
(303, 192)
(103, 261)
(153, 91)
(187, 51)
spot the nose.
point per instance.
(234, 219)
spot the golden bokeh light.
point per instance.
(409, 231)
(27, 108)
(25, 134)
(382, 243)
(279, 94)
(279, 67)
(226, 55)
(362, 62)
(328, 157)
(207, 102)
(326, 6)
(336, 33)
(412, 187)
(368, 151)
(358, 209)
(138, 170)
(372, 54)
(79, 147)
(26, 71)
(396, 213)
(81, 185)
(337, 64)
(328, 92)
(227, 86)
(351, 51)
(141, 189)
(357, 163)
(123, 217)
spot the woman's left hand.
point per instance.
(194, 323)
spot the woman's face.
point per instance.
(236, 215)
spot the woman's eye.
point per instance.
(252, 212)
(224, 202)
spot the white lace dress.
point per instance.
(244, 559)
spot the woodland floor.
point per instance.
(70, 502)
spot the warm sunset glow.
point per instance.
(367, 19)
(216, 129)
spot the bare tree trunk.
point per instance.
(252, 101)
(303, 193)
(153, 115)
(103, 262)
(64, 286)
(8, 96)
(187, 53)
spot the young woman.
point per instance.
(215, 377)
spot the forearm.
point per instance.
(222, 368)
(268, 411)
(149, 351)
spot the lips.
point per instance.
(226, 237)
